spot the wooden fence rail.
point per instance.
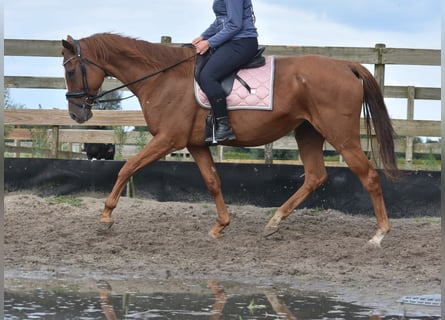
(54, 117)
(379, 56)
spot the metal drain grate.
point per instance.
(426, 300)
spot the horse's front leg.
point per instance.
(204, 160)
(154, 150)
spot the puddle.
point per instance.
(140, 299)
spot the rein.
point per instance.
(141, 79)
(90, 99)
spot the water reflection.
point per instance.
(220, 300)
(212, 301)
(104, 296)
(279, 306)
(237, 306)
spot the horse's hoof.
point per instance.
(376, 240)
(270, 230)
(216, 231)
(105, 223)
(215, 234)
(373, 244)
(272, 226)
(104, 227)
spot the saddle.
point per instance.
(227, 83)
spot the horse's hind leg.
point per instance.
(310, 144)
(360, 165)
(204, 160)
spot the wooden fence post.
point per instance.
(220, 150)
(410, 116)
(166, 40)
(379, 68)
(70, 150)
(379, 74)
(18, 144)
(55, 142)
(268, 153)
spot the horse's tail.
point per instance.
(374, 109)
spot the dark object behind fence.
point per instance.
(99, 151)
(418, 193)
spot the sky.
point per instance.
(338, 23)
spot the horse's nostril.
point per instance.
(73, 116)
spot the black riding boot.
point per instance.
(218, 127)
(224, 130)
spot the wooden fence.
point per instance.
(379, 56)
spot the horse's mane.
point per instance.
(156, 56)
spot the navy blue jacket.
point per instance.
(234, 20)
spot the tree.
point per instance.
(110, 101)
(9, 103)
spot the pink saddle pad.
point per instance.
(260, 80)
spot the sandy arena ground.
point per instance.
(314, 250)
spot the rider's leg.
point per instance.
(223, 61)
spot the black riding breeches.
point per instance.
(223, 61)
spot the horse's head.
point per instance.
(83, 80)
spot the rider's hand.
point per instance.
(202, 46)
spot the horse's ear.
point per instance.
(68, 44)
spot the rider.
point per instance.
(231, 41)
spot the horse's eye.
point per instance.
(71, 72)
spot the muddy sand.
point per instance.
(317, 250)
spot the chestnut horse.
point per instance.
(316, 97)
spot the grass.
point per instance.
(271, 211)
(72, 201)
(238, 155)
(427, 219)
(64, 289)
(253, 306)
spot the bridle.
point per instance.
(90, 99)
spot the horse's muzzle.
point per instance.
(84, 115)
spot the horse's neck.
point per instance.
(128, 66)
(125, 67)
